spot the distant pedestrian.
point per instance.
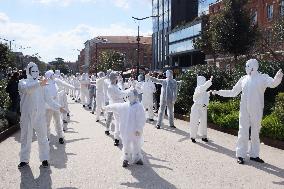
(12, 90)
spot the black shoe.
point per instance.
(92, 112)
(205, 140)
(90, 108)
(76, 101)
(84, 106)
(97, 120)
(158, 127)
(257, 159)
(116, 142)
(139, 162)
(240, 160)
(64, 121)
(73, 98)
(45, 164)
(193, 140)
(125, 163)
(23, 164)
(68, 114)
(107, 132)
(64, 130)
(151, 119)
(172, 126)
(61, 140)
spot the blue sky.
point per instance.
(53, 28)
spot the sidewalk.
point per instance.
(89, 160)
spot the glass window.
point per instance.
(181, 47)
(269, 12)
(254, 17)
(189, 32)
(282, 8)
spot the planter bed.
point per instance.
(268, 141)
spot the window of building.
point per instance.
(282, 8)
(254, 17)
(269, 12)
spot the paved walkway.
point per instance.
(89, 160)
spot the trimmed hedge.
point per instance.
(226, 115)
(273, 124)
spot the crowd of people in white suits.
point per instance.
(127, 106)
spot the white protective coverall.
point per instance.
(198, 114)
(148, 89)
(100, 96)
(253, 87)
(33, 113)
(92, 93)
(168, 97)
(62, 94)
(52, 89)
(132, 121)
(85, 82)
(115, 95)
(77, 85)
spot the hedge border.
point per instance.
(267, 141)
(8, 132)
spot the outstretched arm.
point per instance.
(63, 84)
(231, 93)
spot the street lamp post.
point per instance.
(138, 41)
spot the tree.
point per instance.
(6, 58)
(232, 30)
(59, 64)
(110, 60)
(204, 42)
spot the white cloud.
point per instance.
(122, 3)
(60, 44)
(3, 18)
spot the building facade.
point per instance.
(174, 31)
(263, 13)
(126, 45)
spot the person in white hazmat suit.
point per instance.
(115, 95)
(148, 89)
(100, 96)
(52, 89)
(198, 114)
(33, 115)
(85, 82)
(77, 85)
(92, 94)
(62, 95)
(168, 98)
(132, 121)
(252, 86)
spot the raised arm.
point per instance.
(50, 101)
(274, 82)
(27, 87)
(155, 80)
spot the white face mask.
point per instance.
(34, 72)
(132, 98)
(169, 74)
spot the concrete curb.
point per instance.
(267, 141)
(8, 132)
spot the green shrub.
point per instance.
(273, 124)
(224, 114)
(4, 98)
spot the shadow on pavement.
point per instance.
(28, 181)
(266, 167)
(146, 176)
(58, 155)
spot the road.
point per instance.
(89, 160)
